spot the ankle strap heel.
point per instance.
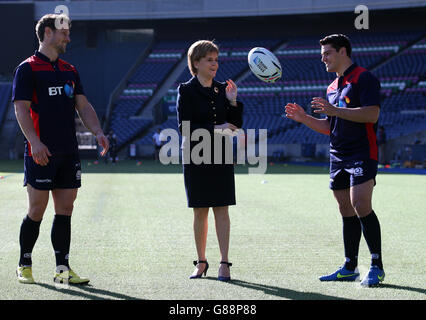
(225, 279)
(195, 263)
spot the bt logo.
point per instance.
(54, 91)
(68, 89)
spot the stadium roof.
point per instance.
(176, 9)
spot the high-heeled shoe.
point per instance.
(205, 269)
(220, 278)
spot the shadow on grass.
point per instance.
(396, 287)
(281, 292)
(88, 292)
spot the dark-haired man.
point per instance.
(352, 111)
(46, 93)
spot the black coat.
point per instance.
(207, 184)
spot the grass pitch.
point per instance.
(132, 236)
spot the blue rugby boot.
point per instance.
(342, 274)
(374, 276)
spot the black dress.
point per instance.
(209, 183)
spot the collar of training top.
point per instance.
(43, 57)
(350, 69)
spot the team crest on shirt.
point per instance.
(69, 89)
(358, 172)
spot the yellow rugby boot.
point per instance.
(69, 277)
(25, 274)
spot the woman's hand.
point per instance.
(226, 129)
(231, 92)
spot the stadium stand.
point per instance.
(141, 86)
(404, 107)
(101, 64)
(5, 92)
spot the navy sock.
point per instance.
(27, 238)
(351, 240)
(61, 239)
(371, 230)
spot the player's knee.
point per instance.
(361, 207)
(36, 212)
(64, 209)
(345, 208)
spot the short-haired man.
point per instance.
(46, 93)
(352, 109)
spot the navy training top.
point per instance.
(351, 140)
(51, 87)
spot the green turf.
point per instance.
(132, 235)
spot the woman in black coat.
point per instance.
(208, 109)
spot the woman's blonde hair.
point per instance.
(199, 50)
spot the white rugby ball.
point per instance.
(264, 64)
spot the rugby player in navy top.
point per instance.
(352, 111)
(46, 93)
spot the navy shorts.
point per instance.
(344, 175)
(62, 172)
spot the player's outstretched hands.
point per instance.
(295, 112)
(323, 106)
(103, 142)
(40, 153)
(231, 90)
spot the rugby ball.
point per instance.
(264, 64)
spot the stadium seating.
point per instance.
(101, 68)
(141, 86)
(127, 128)
(5, 92)
(147, 139)
(404, 108)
